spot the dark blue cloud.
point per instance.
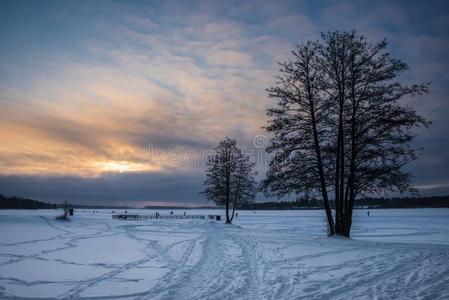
(134, 189)
(36, 34)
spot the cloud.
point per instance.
(109, 79)
(164, 90)
(230, 58)
(133, 189)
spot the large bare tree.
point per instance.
(298, 124)
(341, 117)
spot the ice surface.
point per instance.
(394, 253)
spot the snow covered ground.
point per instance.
(266, 255)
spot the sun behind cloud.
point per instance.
(124, 166)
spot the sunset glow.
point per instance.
(87, 86)
(123, 167)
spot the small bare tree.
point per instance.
(230, 178)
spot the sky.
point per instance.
(119, 102)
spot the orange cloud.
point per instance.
(171, 91)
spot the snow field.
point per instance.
(399, 254)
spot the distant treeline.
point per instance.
(405, 202)
(153, 207)
(99, 206)
(15, 202)
(22, 203)
(298, 204)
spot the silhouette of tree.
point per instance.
(298, 124)
(230, 178)
(340, 124)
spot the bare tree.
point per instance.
(230, 178)
(298, 124)
(361, 132)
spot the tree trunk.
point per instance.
(351, 183)
(340, 179)
(228, 179)
(330, 220)
(235, 198)
(339, 175)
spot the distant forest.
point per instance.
(406, 202)
(22, 203)
(15, 202)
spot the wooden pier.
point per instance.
(158, 217)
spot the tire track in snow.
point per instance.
(75, 292)
(177, 267)
(218, 273)
(250, 264)
(180, 274)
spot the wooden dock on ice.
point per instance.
(163, 217)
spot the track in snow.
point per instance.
(266, 257)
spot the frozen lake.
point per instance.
(265, 255)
